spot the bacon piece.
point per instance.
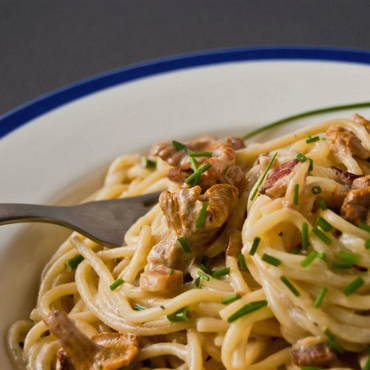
(346, 177)
(356, 205)
(106, 351)
(361, 182)
(277, 181)
(312, 351)
(235, 244)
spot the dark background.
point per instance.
(46, 44)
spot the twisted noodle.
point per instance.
(259, 340)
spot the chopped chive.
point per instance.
(296, 194)
(322, 203)
(309, 259)
(271, 259)
(248, 308)
(341, 265)
(194, 164)
(197, 282)
(230, 298)
(182, 314)
(310, 167)
(200, 154)
(348, 257)
(203, 275)
(184, 245)
(321, 255)
(116, 284)
(204, 265)
(179, 146)
(194, 178)
(304, 235)
(149, 163)
(353, 286)
(321, 235)
(332, 342)
(290, 286)
(310, 368)
(162, 307)
(324, 224)
(138, 307)
(221, 272)
(316, 189)
(296, 250)
(255, 244)
(242, 263)
(320, 297)
(364, 227)
(301, 157)
(75, 261)
(367, 244)
(261, 179)
(201, 220)
(312, 139)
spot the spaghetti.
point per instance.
(257, 257)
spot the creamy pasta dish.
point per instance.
(256, 256)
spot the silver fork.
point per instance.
(104, 221)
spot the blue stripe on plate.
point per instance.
(25, 113)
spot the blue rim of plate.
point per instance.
(25, 113)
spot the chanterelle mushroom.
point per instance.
(105, 351)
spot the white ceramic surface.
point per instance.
(60, 156)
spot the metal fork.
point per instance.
(104, 221)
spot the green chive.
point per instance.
(322, 203)
(197, 282)
(248, 308)
(304, 235)
(305, 114)
(180, 315)
(200, 154)
(162, 307)
(364, 227)
(194, 164)
(242, 263)
(149, 163)
(341, 265)
(310, 368)
(116, 284)
(353, 286)
(321, 255)
(138, 307)
(348, 257)
(221, 272)
(184, 245)
(301, 157)
(296, 194)
(324, 224)
(179, 146)
(261, 179)
(75, 261)
(255, 244)
(201, 220)
(312, 139)
(310, 167)
(320, 297)
(332, 342)
(321, 235)
(309, 259)
(202, 275)
(290, 286)
(367, 244)
(194, 178)
(230, 298)
(204, 265)
(271, 259)
(316, 189)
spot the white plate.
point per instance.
(71, 135)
